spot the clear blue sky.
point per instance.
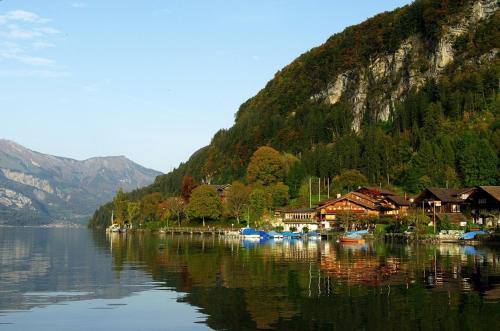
(152, 80)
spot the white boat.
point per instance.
(114, 227)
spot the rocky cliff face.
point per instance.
(393, 75)
(38, 188)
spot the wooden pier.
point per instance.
(199, 231)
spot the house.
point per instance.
(445, 203)
(298, 219)
(353, 203)
(445, 200)
(389, 203)
(221, 190)
(396, 205)
(484, 203)
(375, 192)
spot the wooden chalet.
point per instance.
(375, 192)
(445, 203)
(354, 203)
(397, 206)
(388, 202)
(484, 203)
(299, 219)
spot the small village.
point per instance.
(438, 209)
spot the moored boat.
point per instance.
(249, 233)
(352, 240)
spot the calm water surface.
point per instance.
(75, 279)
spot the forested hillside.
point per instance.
(408, 98)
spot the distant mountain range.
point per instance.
(37, 188)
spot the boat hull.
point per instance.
(347, 240)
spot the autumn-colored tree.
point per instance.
(149, 206)
(237, 199)
(133, 212)
(266, 166)
(188, 185)
(173, 207)
(205, 203)
(120, 207)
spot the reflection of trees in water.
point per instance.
(293, 285)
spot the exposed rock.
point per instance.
(29, 180)
(11, 198)
(395, 74)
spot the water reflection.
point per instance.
(231, 284)
(289, 284)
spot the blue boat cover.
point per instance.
(249, 232)
(313, 234)
(471, 235)
(291, 235)
(263, 235)
(274, 234)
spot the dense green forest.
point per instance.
(444, 131)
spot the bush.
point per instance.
(381, 229)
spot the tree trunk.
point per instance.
(203, 221)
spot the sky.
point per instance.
(153, 80)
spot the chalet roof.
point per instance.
(355, 201)
(442, 194)
(377, 190)
(493, 191)
(362, 196)
(399, 200)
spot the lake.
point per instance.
(77, 279)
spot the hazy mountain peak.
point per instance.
(41, 188)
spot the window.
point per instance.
(482, 201)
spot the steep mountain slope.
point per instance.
(359, 79)
(38, 188)
(408, 97)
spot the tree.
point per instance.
(266, 166)
(237, 199)
(477, 162)
(279, 194)
(205, 203)
(133, 212)
(120, 207)
(149, 206)
(349, 179)
(188, 185)
(173, 207)
(295, 175)
(259, 203)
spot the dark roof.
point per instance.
(442, 194)
(493, 191)
(376, 190)
(399, 200)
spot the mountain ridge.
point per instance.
(41, 188)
